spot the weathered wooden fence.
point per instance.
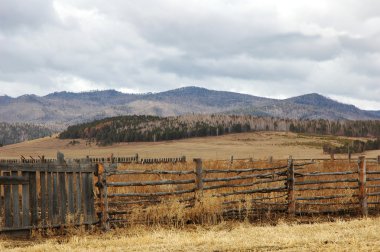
(56, 194)
(181, 159)
(291, 188)
(134, 159)
(42, 195)
(111, 159)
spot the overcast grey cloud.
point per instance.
(266, 48)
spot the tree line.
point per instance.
(137, 128)
(355, 146)
(11, 133)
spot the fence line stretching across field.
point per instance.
(111, 159)
(294, 182)
(42, 195)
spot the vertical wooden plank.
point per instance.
(85, 196)
(78, 196)
(198, 180)
(33, 199)
(50, 197)
(55, 198)
(16, 205)
(63, 196)
(7, 203)
(43, 197)
(103, 197)
(91, 202)
(290, 185)
(362, 186)
(378, 160)
(70, 193)
(62, 188)
(105, 194)
(25, 202)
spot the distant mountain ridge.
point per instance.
(60, 109)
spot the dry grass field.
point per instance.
(169, 227)
(223, 202)
(352, 235)
(259, 145)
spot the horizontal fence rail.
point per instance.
(293, 187)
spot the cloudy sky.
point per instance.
(266, 48)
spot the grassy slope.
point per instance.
(254, 144)
(354, 235)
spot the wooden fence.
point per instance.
(60, 193)
(181, 159)
(42, 195)
(289, 188)
(111, 159)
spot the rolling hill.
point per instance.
(60, 109)
(143, 128)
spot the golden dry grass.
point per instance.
(212, 210)
(353, 235)
(209, 210)
(176, 234)
(259, 145)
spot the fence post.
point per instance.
(378, 159)
(332, 157)
(198, 180)
(362, 185)
(103, 196)
(290, 185)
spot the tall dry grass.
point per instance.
(353, 235)
(209, 209)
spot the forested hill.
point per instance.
(62, 109)
(153, 128)
(19, 132)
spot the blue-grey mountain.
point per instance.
(60, 109)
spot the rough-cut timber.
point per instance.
(290, 185)
(150, 183)
(198, 179)
(362, 186)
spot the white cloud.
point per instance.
(268, 48)
(360, 103)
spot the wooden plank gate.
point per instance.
(46, 195)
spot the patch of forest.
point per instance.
(11, 133)
(137, 128)
(354, 146)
